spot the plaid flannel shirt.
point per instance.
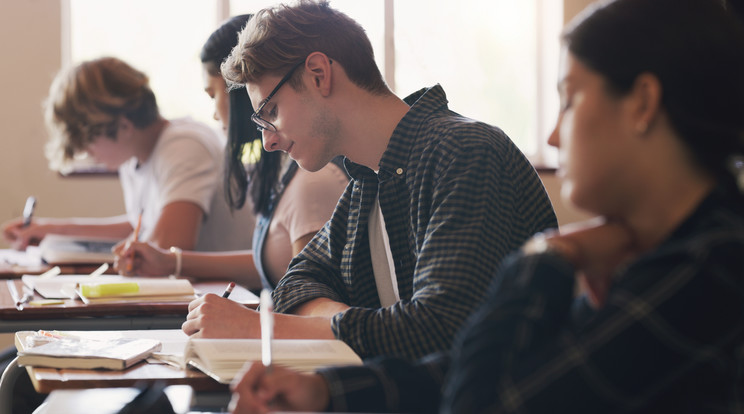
(670, 338)
(457, 196)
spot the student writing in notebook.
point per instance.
(291, 204)
(651, 137)
(170, 170)
(436, 199)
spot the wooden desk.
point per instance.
(109, 400)
(14, 264)
(46, 380)
(75, 315)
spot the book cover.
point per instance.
(72, 352)
(222, 359)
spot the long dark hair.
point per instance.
(263, 175)
(696, 50)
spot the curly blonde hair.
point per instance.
(87, 100)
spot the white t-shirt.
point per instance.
(187, 164)
(306, 205)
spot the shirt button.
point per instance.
(399, 171)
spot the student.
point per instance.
(170, 170)
(291, 204)
(646, 134)
(395, 274)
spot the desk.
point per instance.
(14, 264)
(109, 400)
(75, 315)
(46, 380)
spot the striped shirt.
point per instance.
(669, 340)
(457, 196)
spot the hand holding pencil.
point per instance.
(136, 238)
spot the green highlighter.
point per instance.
(99, 290)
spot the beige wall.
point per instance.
(30, 45)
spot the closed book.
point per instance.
(62, 249)
(136, 290)
(222, 359)
(111, 353)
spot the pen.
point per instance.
(19, 301)
(136, 237)
(266, 309)
(28, 210)
(228, 290)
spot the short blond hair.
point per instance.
(278, 38)
(87, 100)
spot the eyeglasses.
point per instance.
(256, 118)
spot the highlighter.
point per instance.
(98, 290)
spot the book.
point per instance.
(222, 359)
(61, 249)
(66, 351)
(138, 289)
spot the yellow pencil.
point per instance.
(136, 238)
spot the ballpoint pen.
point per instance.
(266, 309)
(28, 210)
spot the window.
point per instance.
(161, 38)
(496, 59)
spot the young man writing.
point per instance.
(436, 199)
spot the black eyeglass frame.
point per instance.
(261, 123)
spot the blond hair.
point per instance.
(278, 38)
(87, 100)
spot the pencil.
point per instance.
(136, 238)
(228, 290)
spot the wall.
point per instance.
(30, 50)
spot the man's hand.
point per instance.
(258, 390)
(21, 237)
(596, 248)
(212, 316)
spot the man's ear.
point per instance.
(318, 65)
(124, 127)
(646, 98)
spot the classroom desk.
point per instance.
(75, 315)
(14, 264)
(109, 400)
(46, 380)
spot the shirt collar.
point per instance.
(395, 158)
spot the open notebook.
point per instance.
(111, 288)
(222, 359)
